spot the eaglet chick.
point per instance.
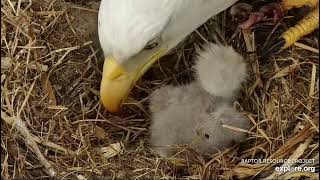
(193, 114)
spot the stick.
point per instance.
(28, 138)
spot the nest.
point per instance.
(53, 124)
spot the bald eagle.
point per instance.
(135, 33)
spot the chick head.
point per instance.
(213, 136)
(220, 70)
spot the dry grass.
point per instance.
(53, 123)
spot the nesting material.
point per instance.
(282, 104)
(194, 114)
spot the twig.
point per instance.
(253, 58)
(28, 138)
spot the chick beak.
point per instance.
(119, 79)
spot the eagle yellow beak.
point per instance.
(119, 79)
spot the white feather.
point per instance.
(126, 26)
(220, 70)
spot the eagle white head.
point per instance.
(134, 34)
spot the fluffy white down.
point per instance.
(221, 137)
(220, 70)
(188, 115)
(174, 113)
(193, 114)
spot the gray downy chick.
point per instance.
(193, 114)
(220, 70)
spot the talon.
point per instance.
(273, 49)
(304, 27)
(276, 10)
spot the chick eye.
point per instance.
(207, 136)
(152, 44)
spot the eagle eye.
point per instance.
(152, 44)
